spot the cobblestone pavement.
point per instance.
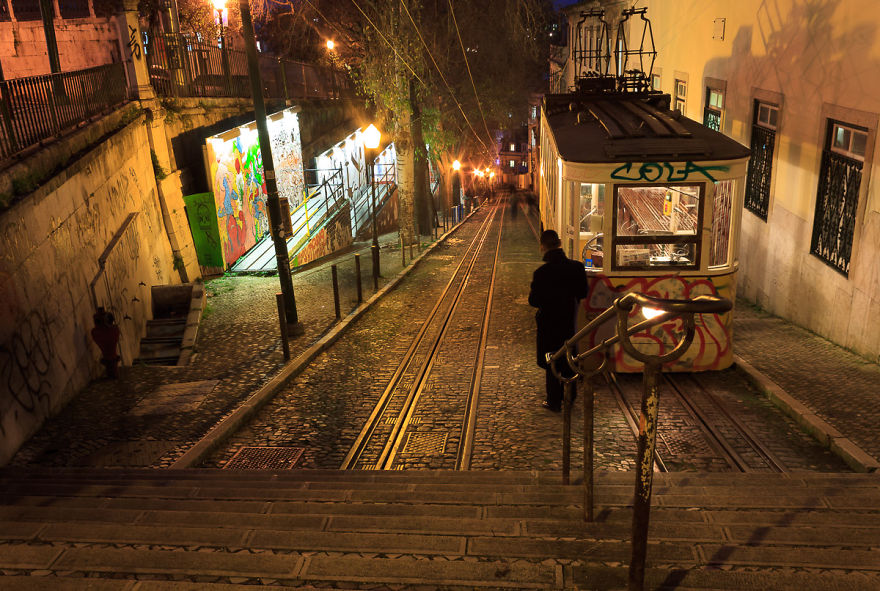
(123, 423)
(839, 386)
(130, 422)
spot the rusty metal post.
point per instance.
(566, 430)
(411, 251)
(644, 475)
(374, 249)
(589, 406)
(282, 320)
(357, 272)
(335, 275)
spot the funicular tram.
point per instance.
(648, 199)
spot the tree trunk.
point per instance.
(405, 177)
(424, 205)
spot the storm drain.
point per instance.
(265, 458)
(425, 444)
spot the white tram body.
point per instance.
(650, 201)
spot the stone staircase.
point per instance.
(149, 530)
(171, 334)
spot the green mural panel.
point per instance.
(203, 225)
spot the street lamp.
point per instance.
(456, 183)
(371, 137)
(223, 19)
(330, 44)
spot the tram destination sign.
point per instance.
(677, 172)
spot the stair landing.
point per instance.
(209, 529)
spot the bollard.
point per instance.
(282, 320)
(410, 251)
(375, 252)
(357, 272)
(335, 275)
(402, 252)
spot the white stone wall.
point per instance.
(51, 277)
(82, 43)
(820, 59)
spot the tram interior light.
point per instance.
(650, 313)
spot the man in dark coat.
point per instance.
(557, 287)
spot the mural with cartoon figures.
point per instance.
(712, 345)
(236, 175)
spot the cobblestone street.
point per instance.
(153, 415)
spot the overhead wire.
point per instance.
(470, 75)
(442, 77)
(385, 39)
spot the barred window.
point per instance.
(714, 108)
(680, 98)
(757, 198)
(28, 10)
(837, 197)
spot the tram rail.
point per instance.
(387, 425)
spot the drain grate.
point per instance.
(425, 444)
(265, 458)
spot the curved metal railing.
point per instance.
(592, 362)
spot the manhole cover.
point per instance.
(174, 398)
(265, 458)
(425, 444)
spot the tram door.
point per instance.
(568, 227)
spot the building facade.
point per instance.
(796, 82)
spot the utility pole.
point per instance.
(272, 201)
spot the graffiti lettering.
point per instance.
(664, 171)
(133, 43)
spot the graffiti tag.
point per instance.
(657, 171)
(133, 43)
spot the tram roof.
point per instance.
(626, 127)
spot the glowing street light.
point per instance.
(456, 165)
(330, 44)
(222, 20)
(371, 138)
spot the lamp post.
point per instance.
(371, 137)
(456, 183)
(223, 15)
(272, 202)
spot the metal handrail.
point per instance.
(37, 108)
(329, 189)
(577, 362)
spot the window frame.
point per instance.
(696, 238)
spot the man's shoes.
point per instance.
(550, 407)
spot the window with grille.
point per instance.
(28, 10)
(757, 198)
(837, 197)
(655, 81)
(680, 95)
(714, 109)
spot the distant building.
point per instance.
(513, 157)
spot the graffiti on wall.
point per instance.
(334, 235)
(203, 225)
(238, 182)
(712, 345)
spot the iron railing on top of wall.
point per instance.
(183, 67)
(37, 108)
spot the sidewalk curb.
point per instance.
(855, 457)
(223, 429)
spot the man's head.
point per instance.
(549, 240)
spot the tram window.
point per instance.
(592, 210)
(657, 226)
(720, 246)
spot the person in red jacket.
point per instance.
(106, 336)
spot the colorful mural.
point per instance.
(236, 175)
(712, 345)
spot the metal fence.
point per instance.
(40, 107)
(183, 67)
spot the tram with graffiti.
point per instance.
(650, 201)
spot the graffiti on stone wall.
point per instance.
(203, 225)
(334, 235)
(712, 344)
(239, 186)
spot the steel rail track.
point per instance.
(632, 418)
(721, 441)
(459, 279)
(469, 422)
